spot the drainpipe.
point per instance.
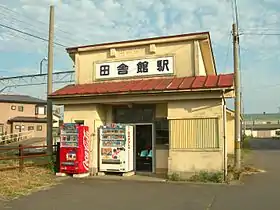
(224, 135)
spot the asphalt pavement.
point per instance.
(260, 192)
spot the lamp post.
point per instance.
(41, 64)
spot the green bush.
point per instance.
(205, 176)
(174, 177)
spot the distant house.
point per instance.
(22, 113)
(261, 125)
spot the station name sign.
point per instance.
(135, 68)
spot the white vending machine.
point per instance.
(116, 148)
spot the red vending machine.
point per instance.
(74, 149)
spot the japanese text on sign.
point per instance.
(135, 68)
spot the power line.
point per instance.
(31, 27)
(17, 35)
(29, 34)
(13, 22)
(41, 22)
(259, 34)
(8, 9)
(228, 49)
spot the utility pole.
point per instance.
(50, 81)
(237, 159)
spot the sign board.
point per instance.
(134, 68)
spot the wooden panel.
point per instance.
(194, 133)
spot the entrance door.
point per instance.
(144, 147)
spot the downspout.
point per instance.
(224, 135)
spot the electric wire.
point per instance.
(13, 22)
(29, 34)
(58, 28)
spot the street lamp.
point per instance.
(41, 64)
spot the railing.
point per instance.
(16, 137)
(21, 153)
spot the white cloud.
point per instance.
(93, 21)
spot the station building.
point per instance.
(168, 87)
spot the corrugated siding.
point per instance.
(194, 133)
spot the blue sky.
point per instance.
(94, 21)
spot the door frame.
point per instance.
(153, 145)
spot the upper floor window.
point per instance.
(39, 127)
(41, 110)
(20, 108)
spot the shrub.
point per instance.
(205, 176)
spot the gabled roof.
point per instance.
(21, 99)
(166, 84)
(74, 49)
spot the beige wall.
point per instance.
(6, 112)
(195, 109)
(187, 57)
(185, 161)
(93, 116)
(230, 133)
(35, 132)
(162, 160)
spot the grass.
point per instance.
(14, 183)
(201, 176)
(205, 176)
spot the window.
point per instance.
(30, 128)
(13, 107)
(39, 128)
(17, 127)
(79, 122)
(135, 114)
(41, 110)
(162, 131)
(20, 108)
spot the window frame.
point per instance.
(37, 109)
(30, 129)
(17, 127)
(162, 140)
(19, 108)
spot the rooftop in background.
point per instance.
(262, 117)
(29, 119)
(21, 99)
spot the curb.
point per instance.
(165, 181)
